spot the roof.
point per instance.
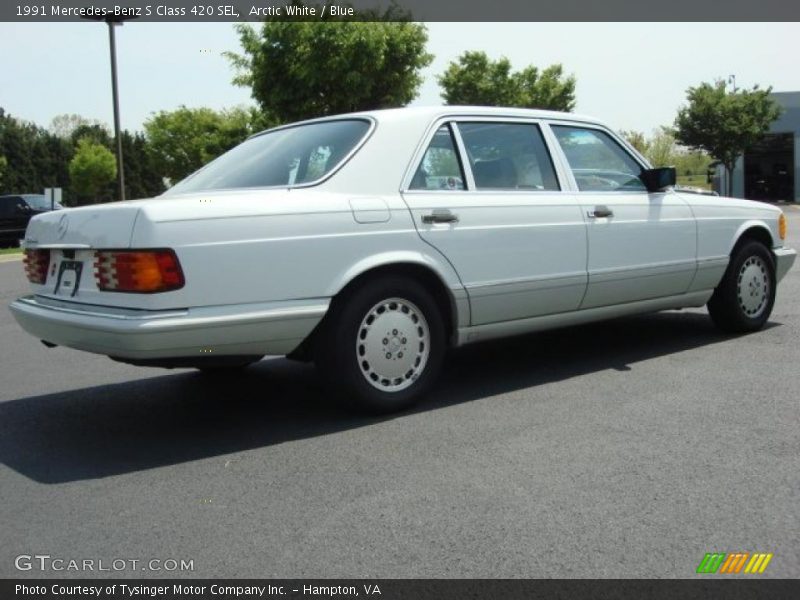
(429, 113)
(434, 112)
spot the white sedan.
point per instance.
(371, 242)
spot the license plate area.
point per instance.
(69, 278)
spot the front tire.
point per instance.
(382, 345)
(744, 299)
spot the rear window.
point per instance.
(284, 157)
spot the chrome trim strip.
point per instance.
(95, 310)
(181, 318)
(479, 333)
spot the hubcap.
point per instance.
(392, 344)
(753, 287)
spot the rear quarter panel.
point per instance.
(270, 245)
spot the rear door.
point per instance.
(642, 245)
(487, 195)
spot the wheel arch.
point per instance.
(752, 230)
(452, 302)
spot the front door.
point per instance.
(641, 245)
(486, 195)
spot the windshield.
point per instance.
(39, 202)
(283, 157)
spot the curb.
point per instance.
(10, 257)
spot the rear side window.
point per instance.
(598, 163)
(508, 156)
(284, 157)
(440, 168)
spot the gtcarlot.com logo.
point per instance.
(734, 562)
(45, 562)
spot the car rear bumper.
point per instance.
(273, 328)
(784, 259)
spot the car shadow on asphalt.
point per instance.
(184, 415)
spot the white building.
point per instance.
(770, 170)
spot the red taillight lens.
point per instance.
(142, 271)
(36, 263)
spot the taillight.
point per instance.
(141, 271)
(36, 263)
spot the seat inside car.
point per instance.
(499, 173)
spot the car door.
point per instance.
(14, 216)
(642, 245)
(486, 194)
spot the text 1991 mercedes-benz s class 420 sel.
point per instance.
(372, 242)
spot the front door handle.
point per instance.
(600, 212)
(440, 216)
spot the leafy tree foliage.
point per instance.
(36, 159)
(143, 174)
(64, 126)
(185, 139)
(91, 169)
(661, 149)
(725, 123)
(3, 167)
(300, 70)
(474, 79)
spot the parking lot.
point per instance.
(623, 449)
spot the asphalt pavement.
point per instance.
(623, 449)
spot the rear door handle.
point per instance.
(600, 212)
(440, 216)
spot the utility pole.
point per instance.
(112, 42)
(115, 21)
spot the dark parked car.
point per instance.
(15, 212)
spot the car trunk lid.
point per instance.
(100, 226)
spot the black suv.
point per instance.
(15, 212)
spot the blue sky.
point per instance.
(632, 75)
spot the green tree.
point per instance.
(91, 169)
(64, 126)
(724, 124)
(183, 140)
(637, 139)
(300, 70)
(661, 148)
(474, 79)
(36, 158)
(143, 173)
(3, 167)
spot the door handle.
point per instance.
(440, 216)
(600, 212)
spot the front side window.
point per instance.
(284, 157)
(598, 163)
(508, 156)
(440, 168)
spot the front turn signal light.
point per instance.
(782, 226)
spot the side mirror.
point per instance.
(657, 180)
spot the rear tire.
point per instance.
(744, 299)
(382, 345)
